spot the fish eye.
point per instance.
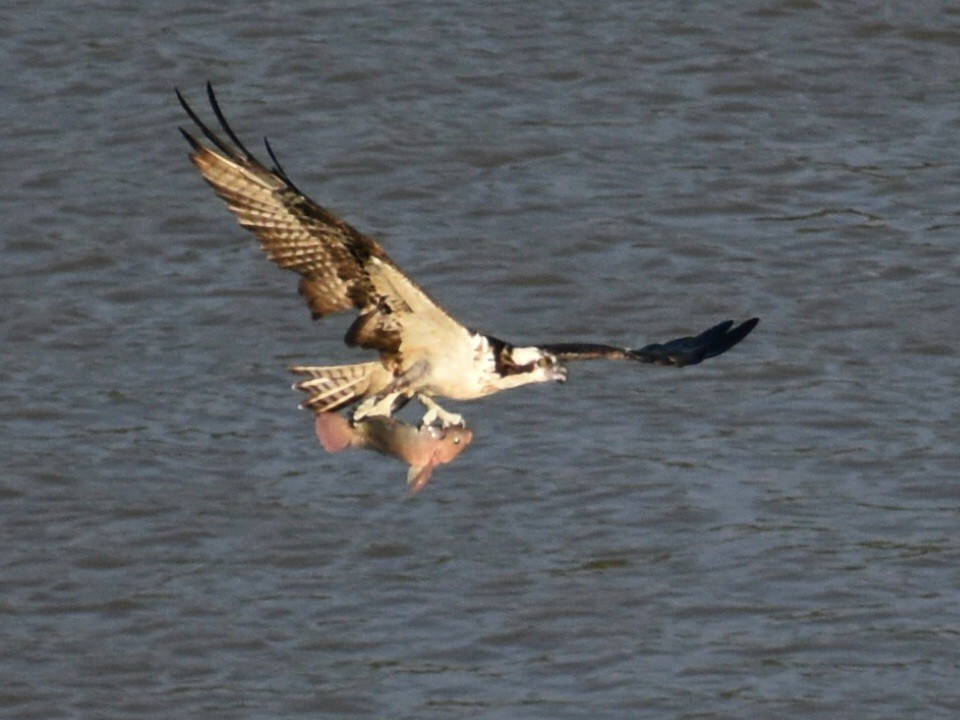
(456, 440)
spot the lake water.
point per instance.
(773, 533)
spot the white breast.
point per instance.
(458, 362)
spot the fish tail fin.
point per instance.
(333, 432)
(333, 387)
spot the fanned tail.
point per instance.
(334, 387)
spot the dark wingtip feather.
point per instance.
(190, 139)
(277, 167)
(221, 118)
(693, 350)
(238, 152)
(207, 132)
(721, 344)
(183, 102)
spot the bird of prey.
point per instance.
(424, 353)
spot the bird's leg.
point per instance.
(393, 397)
(383, 404)
(435, 413)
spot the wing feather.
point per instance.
(678, 352)
(340, 267)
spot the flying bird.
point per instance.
(424, 353)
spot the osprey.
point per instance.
(424, 352)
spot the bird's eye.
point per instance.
(543, 362)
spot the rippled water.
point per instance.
(775, 532)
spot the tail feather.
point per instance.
(334, 387)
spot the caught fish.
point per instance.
(421, 448)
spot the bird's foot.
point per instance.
(442, 418)
(436, 415)
(375, 406)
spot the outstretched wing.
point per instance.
(692, 350)
(678, 352)
(340, 267)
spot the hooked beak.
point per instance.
(558, 374)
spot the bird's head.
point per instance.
(536, 365)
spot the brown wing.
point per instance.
(333, 259)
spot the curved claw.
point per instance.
(440, 417)
(437, 415)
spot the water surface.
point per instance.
(772, 533)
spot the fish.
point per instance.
(422, 448)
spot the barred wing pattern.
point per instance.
(340, 267)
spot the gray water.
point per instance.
(774, 533)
